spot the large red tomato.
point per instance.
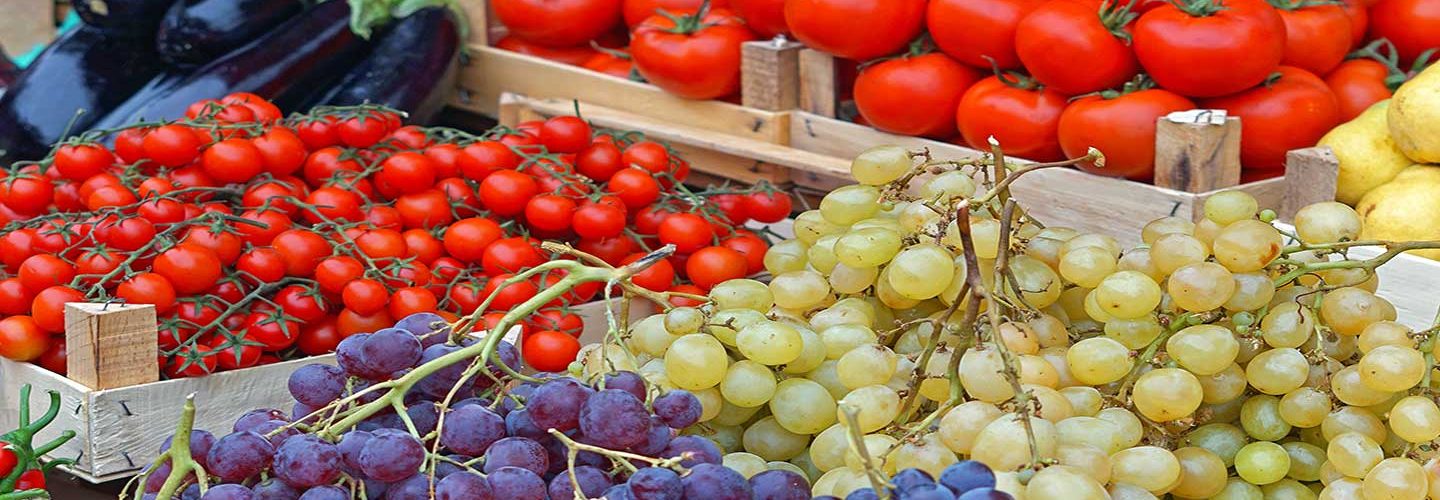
(1058, 34)
(574, 56)
(1359, 20)
(1023, 117)
(1317, 37)
(636, 11)
(699, 58)
(558, 23)
(1210, 49)
(1122, 127)
(1413, 25)
(1360, 83)
(1291, 112)
(914, 95)
(766, 17)
(855, 29)
(976, 32)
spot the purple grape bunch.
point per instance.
(964, 480)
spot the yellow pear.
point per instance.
(1405, 209)
(1368, 157)
(1414, 116)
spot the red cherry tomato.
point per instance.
(21, 339)
(549, 350)
(710, 266)
(659, 277)
(1359, 84)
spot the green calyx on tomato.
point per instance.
(687, 23)
(1383, 51)
(1014, 79)
(1200, 8)
(20, 455)
(1115, 15)
(1140, 82)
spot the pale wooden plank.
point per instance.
(110, 345)
(831, 137)
(1091, 203)
(818, 82)
(73, 407)
(1196, 155)
(770, 74)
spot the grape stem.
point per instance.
(577, 447)
(1393, 248)
(1180, 323)
(857, 443)
(181, 463)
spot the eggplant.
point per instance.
(8, 71)
(194, 32)
(281, 66)
(130, 18)
(84, 70)
(412, 67)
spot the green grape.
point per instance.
(875, 406)
(829, 378)
(1053, 405)
(900, 378)
(1004, 444)
(767, 439)
(1353, 419)
(810, 226)
(1392, 368)
(828, 450)
(1415, 419)
(1305, 460)
(1260, 417)
(1238, 489)
(650, 336)
(1130, 428)
(1353, 454)
(1063, 481)
(1091, 240)
(799, 290)
(1090, 431)
(1228, 207)
(1247, 246)
(918, 218)
(1385, 333)
(711, 402)
(1327, 222)
(1036, 370)
(1127, 491)
(985, 234)
(959, 428)
(735, 415)
(1150, 467)
(840, 339)
(921, 271)
(770, 342)
(1087, 266)
(870, 364)
(1288, 489)
(747, 464)
(1348, 311)
(881, 165)
(848, 311)
(742, 294)
(683, 320)
(812, 353)
(947, 186)
(748, 384)
(1019, 338)
(1139, 259)
(1202, 473)
(877, 445)
(1050, 331)
(802, 406)
(654, 373)
(1262, 462)
(1224, 440)
(1167, 394)
(1344, 488)
(1093, 462)
(850, 204)
(1396, 478)
(1039, 285)
(1277, 371)
(821, 255)
(1057, 358)
(1287, 325)
(867, 247)
(696, 361)
(1134, 333)
(1201, 286)
(726, 324)
(881, 221)
(785, 256)
(1165, 225)
(1093, 309)
(1127, 294)
(926, 454)
(1224, 386)
(1084, 401)
(1174, 251)
(835, 480)
(1098, 361)
(982, 373)
(1203, 349)
(1252, 292)
(848, 280)
(1305, 407)
(1046, 245)
(606, 358)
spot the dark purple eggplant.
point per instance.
(412, 67)
(84, 70)
(194, 32)
(131, 18)
(8, 71)
(281, 66)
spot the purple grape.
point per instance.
(327, 492)
(228, 492)
(300, 411)
(656, 439)
(614, 419)
(826, 497)
(521, 393)
(517, 452)
(779, 485)
(715, 482)
(430, 328)
(630, 382)
(471, 429)
(701, 450)
(679, 408)
(252, 418)
(518, 424)
(270, 428)
(415, 487)
(425, 415)
(655, 483)
(556, 404)
(619, 492)
(348, 356)
(239, 456)
(350, 446)
(191, 492)
(374, 488)
(390, 350)
(316, 384)
(157, 476)
(863, 494)
(928, 492)
(514, 483)
(505, 353)
(481, 402)
(391, 455)
(463, 486)
(911, 478)
(200, 444)
(984, 494)
(307, 461)
(444, 469)
(274, 489)
(360, 387)
(966, 475)
(593, 483)
(440, 383)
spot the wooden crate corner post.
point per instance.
(110, 345)
(1311, 175)
(818, 81)
(770, 74)
(1197, 151)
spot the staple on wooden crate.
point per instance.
(1197, 151)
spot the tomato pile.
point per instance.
(258, 238)
(1067, 74)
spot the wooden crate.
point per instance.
(119, 428)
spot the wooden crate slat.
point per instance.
(1197, 155)
(74, 408)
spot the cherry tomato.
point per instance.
(768, 207)
(446, 158)
(362, 131)
(978, 32)
(333, 273)
(505, 192)
(43, 271)
(234, 354)
(549, 350)
(426, 209)
(710, 266)
(282, 151)
(1053, 36)
(318, 337)
(302, 250)
(1122, 127)
(549, 212)
(349, 322)
(411, 300)
(1290, 113)
(558, 320)
(507, 296)
(161, 211)
(303, 303)
(274, 329)
(232, 160)
(1317, 37)
(15, 299)
(28, 193)
(142, 288)
(365, 296)
(1024, 120)
(635, 187)
(267, 224)
(659, 277)
(1210, 51)
(599, 161)
(407, 172)
(171, 145)
(32, 479)
(688, 232)
(110, 196)
(558, 23)
(130, 145)
(510, 255)
(54, 358)
(565, 134)
(596, 221)
(699, 59)
(752, 247)
(262, 265)
(328, 163)
(1409, 24)
(82, 161)
(855, 29)
(422, 246)
(913, 95)
(21, 339)
(610, 63)
(478, 160)
(334, 204)
(678, 301)
(1359, 84)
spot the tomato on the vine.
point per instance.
(559, 320)
(303, 303)
(427, 209)
(411, 300)
(710, 266)
(276, 330)
(1024, 118)
(231, 354)
(549, 212)
(302, 250)
(171, 145)
(599, 161)
(232, 160)
(15, 299)
(507, 296)
(1290, 112)
(1317, 36)
(635, 187)
(196, 360)
(350, 322)
(319, 337)
(362, 131)
(980, 33)
(687, 231)
(597, 221)
(81, 161)
(262, 265)
(505, 192)
(565, 134)
(365, 296)
(679, 301)
(28, 193)
(142, 288)
(1120, 125)
(659, 277)
(1200, 48)
(694, 56)
(549, 350)
(407, 172)
(510, 255)
(1409, 24)
(1052, 40)
(44, 270)
(752, 247)
(768, 207)
(913, 94)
